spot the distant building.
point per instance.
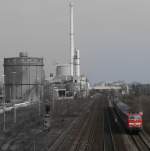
(140, 89)
(119, 86)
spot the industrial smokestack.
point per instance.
(77, 63)
(71, 5)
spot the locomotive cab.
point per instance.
(135, 122)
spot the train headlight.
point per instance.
(141, 113)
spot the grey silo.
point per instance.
(23, 75)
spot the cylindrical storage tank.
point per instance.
(63, 70)
(23, 75)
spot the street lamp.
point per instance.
(14, 96)
(3, 92)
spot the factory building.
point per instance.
(24, 77)
(68, 82)
(62, 83)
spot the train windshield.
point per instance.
(135, 117)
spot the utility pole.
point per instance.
(40, 100)
(53, 98)
(14, 96)
(4, 98)
(39, 94)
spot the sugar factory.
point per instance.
(68, 81)
(24, 76)
(24, 82)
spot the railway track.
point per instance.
(137, 141)
(90, 140)
(84, 134)
(140, 143)
(146, 138)
(65, 138)
(64, 141)
(80, 142)
(108, 137)
(87, 138)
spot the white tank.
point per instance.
(63, 70)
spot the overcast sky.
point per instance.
(113, 35)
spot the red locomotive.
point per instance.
(131, 120)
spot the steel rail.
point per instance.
(139, 143)
(77, 144)
(92, 132)
(104, 147)
(145, 138)
(81, 142)
(111, 138)
(63, 138)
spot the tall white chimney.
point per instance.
(71, 5)
(77, 63)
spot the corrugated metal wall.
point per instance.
(22, 75)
